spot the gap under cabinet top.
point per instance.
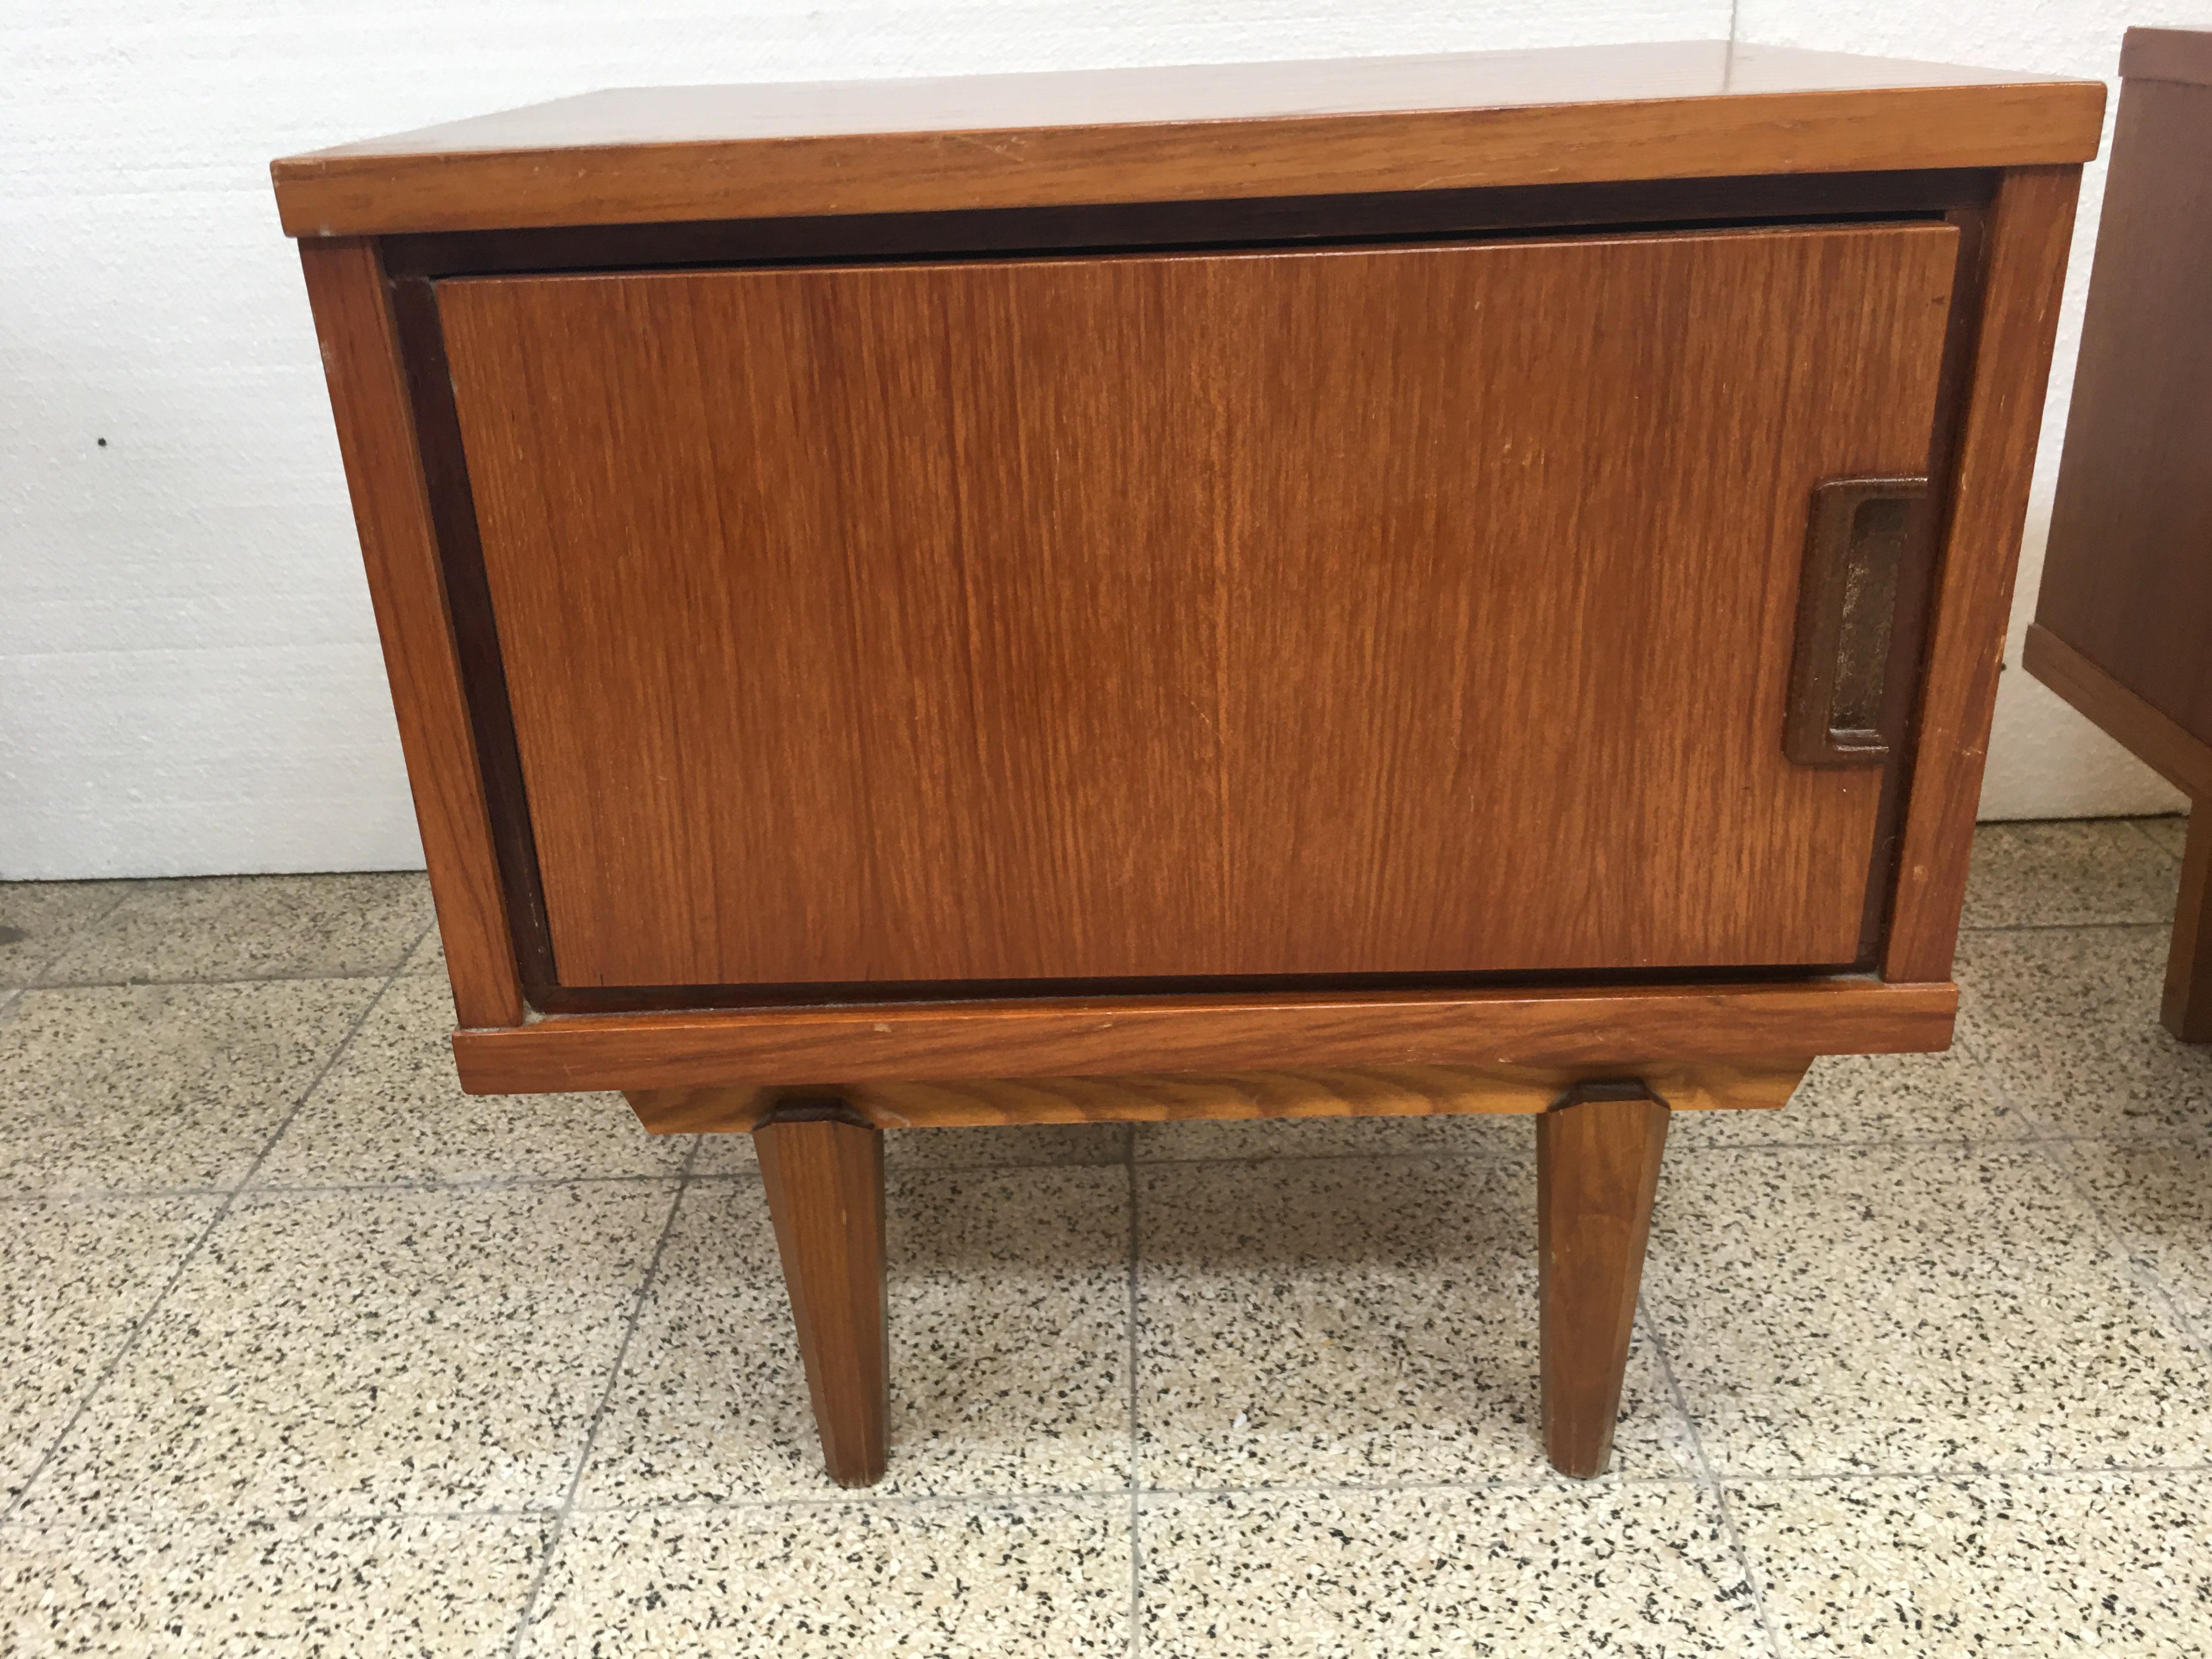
(1188, 132)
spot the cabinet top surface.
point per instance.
(2184, 55)
(1685, 109)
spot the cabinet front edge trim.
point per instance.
(1096, 1036)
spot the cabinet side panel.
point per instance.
(384, 473)
(2030, 224)
(2128, 581)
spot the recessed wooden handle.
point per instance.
(1846, 614)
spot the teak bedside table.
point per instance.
(2124, 625)
(1464, 584)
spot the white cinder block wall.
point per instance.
(188, 677)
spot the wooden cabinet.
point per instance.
(2124, 626)
(1457, 584)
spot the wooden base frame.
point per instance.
(2170, 750)
(1562, 1031)
(1598, 1142)
(1344, 1091)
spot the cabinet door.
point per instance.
(1403, 609)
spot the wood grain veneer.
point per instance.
(2022, 275)
(1597, 1172)
(822, 1174)
(1692, 109)
(1171, 1096)
(2182, 55)
(1051, 1037)
(378, 440)
(2127, 575)
(2178, 755)
(1125, 641)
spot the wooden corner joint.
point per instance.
(1610, 1088)
(803, 1105)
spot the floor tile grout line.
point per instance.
(104, 1520)
(2141, 1274)
(2056, 926)
(1400, 1155)
(1677, 1148)
(1076, 1498)
(1543, 1479)
(896, 1166)
(497, 1183)
(1996, 1084)
(285, 976)
(1901, 1143)
(131, 886)
(2142, 1277)
(558, 1529)
(1525, 1155)
(1976, 1471)
(485, 1184)
(474, 1184)
(1876, 1143)
(1136, 1546)
(2139, 826)
(1708, 1481)
(192, 1252)
(493, 1183)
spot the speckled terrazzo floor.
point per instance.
(301, 1351)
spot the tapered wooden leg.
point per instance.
(824, 1169)
(2187, 1011)
(1598, 1168)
